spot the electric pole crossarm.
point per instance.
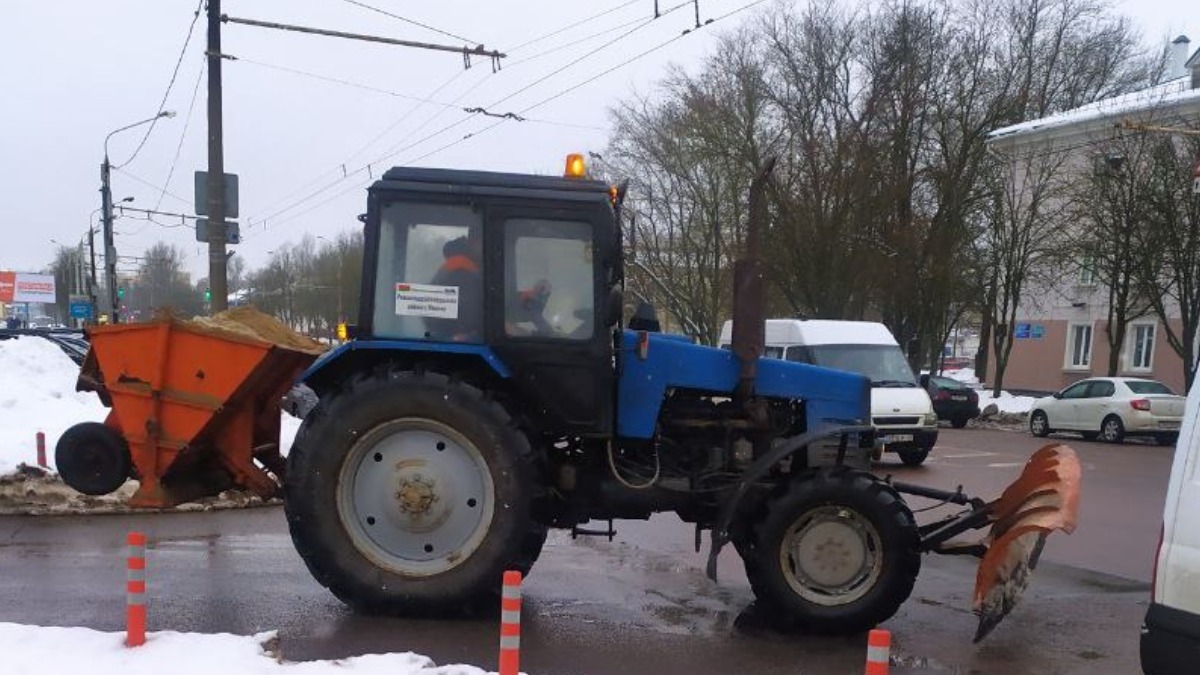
(477, 50)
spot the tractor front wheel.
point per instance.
(835, 551)
(411, 493)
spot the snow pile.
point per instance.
(37, 393)
(36, 649)
(964, 375)
(1006, 402)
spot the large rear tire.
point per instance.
(836, 551)
(412, 494)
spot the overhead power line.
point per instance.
(340, 173)
(410, 21)
(163, 103)
(497, 123)
(581, 22)
(152, 186)
(182, 136)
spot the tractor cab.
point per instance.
(520, 270)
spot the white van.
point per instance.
(1171, 631)
(901, 411)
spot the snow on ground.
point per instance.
(37, 393)
(964, 375)
(1007, 403)
(34, 650)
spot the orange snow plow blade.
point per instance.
(1043, 499)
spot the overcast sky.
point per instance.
(75, 70)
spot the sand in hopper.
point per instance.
(250, 322)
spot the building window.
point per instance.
(1079, 346)
(1087, 271)
(1143, 347)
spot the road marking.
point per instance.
(1005, 465)
(967, 455)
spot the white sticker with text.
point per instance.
(439, 302)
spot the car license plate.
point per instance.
(897, 438)
(958, 398)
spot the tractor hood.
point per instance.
(652, 363)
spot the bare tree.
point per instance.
(690, 158)
(1023, 240)
(162, 283)
(1112, 207)
(1173, 221)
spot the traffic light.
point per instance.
(208, 295)
(120, 292)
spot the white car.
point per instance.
(1111, 408)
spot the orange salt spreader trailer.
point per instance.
(194, 405)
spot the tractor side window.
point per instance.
(429, 282)
(548, 285)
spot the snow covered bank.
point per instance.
(32, 650)
(1006, 402)
(37, 393)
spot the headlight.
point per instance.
(931, 419)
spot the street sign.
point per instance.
(81, 309)
(1039, 331)
(231, 194)
(232, 233)
(1021, 331)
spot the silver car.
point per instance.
(1111, 408)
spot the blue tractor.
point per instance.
(493, 389)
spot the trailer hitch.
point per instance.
(1044, 498)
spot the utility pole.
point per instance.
(217, 283)
(92, 254)
(110, 251)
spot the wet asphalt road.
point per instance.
(636, 605)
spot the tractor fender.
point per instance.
(331, 365)
(759, 468)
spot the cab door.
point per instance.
(548, 314)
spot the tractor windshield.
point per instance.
(884, 364)
(429, 282)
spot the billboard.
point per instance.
(8, 282)
(24, 287)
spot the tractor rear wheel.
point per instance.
(836, 552)
(411, 493)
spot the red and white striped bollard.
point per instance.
(510, 624)
(135, 590)
(879, 643)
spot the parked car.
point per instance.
(1111, 408)
(952, 400)
(1171, 630)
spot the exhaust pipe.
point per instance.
(749, 290)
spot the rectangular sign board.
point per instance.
(24, 287)
(231, 194)
(232, 231)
